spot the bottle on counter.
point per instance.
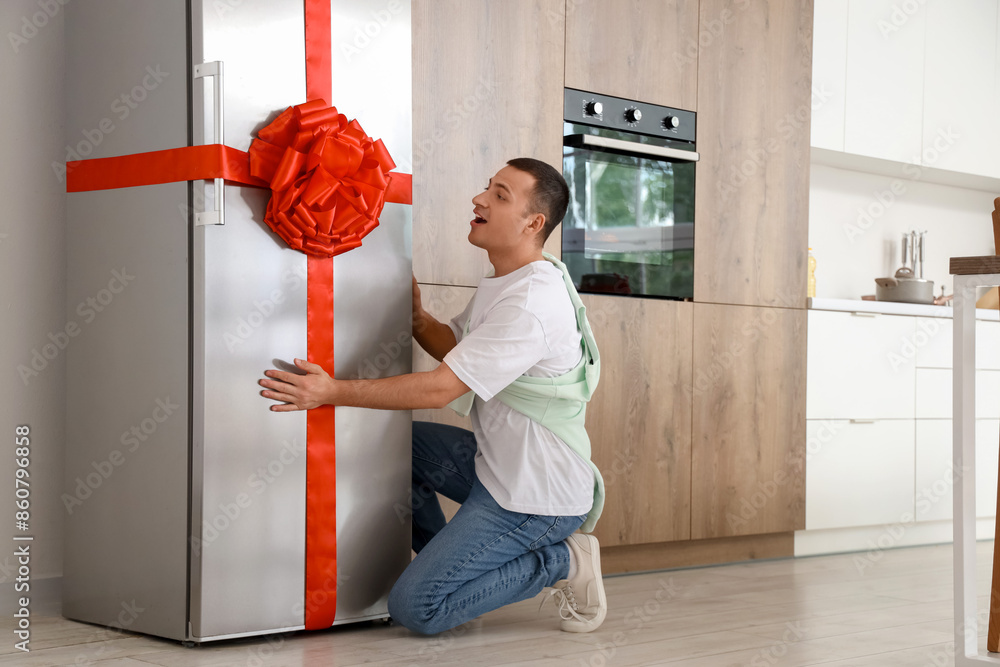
(811, 289)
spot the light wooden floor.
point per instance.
(894, 608)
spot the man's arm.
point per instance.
(436, 338)
(413, 391)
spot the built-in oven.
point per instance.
(630, 167)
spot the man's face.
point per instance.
(502, 220)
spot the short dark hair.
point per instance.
(550, 196)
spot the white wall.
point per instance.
(856, 220)
(32, 275)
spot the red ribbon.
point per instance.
(321, 431)
(328, 178)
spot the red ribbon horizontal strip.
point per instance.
(190, 163)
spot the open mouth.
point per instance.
(479, 220)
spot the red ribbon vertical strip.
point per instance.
(321, 462)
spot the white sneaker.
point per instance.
(581, 600)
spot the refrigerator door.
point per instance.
(126, 335)
(249, 295)
(249, 308)
(372, 316)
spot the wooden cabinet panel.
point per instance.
(643, 50)
(490, 80)
(639, 420)
(443, 302)
(752, 189)
(748, 423)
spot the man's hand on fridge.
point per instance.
(299, 392)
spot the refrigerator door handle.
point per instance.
(214, 69)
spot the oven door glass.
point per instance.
(630, 225)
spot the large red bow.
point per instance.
(328, 178)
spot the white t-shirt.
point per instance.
(522, 323)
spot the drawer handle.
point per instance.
(858, 313)
(862, 421)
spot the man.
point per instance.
(524, 477)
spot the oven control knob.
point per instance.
(595, 108)
(633, 115)
(671, 122)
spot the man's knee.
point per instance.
(410, 609)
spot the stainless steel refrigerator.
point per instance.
(185, 496)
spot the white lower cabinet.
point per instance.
(934, 472)
(879, 429)
(934, 394)
(858, 473)
(859, 365)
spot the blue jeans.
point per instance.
(485, 557)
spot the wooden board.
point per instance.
(644, 50)
(974, 266)
(752, 184)
(748, 423)
(646, 557)
(489, 88)
(639, 420)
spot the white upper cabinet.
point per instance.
(909, 82)
(960, 96)
(885, 80)
(829, 73)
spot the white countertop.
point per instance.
(893, 308)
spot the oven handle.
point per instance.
(647, 150)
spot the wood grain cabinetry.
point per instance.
(443, 302)
(643, 50)
(489, 88)
(752, 190)
(639, 420)
(748, 423)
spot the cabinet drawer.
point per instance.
(859, 366)
(934, 394)
(934, 479)
(858, 474)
